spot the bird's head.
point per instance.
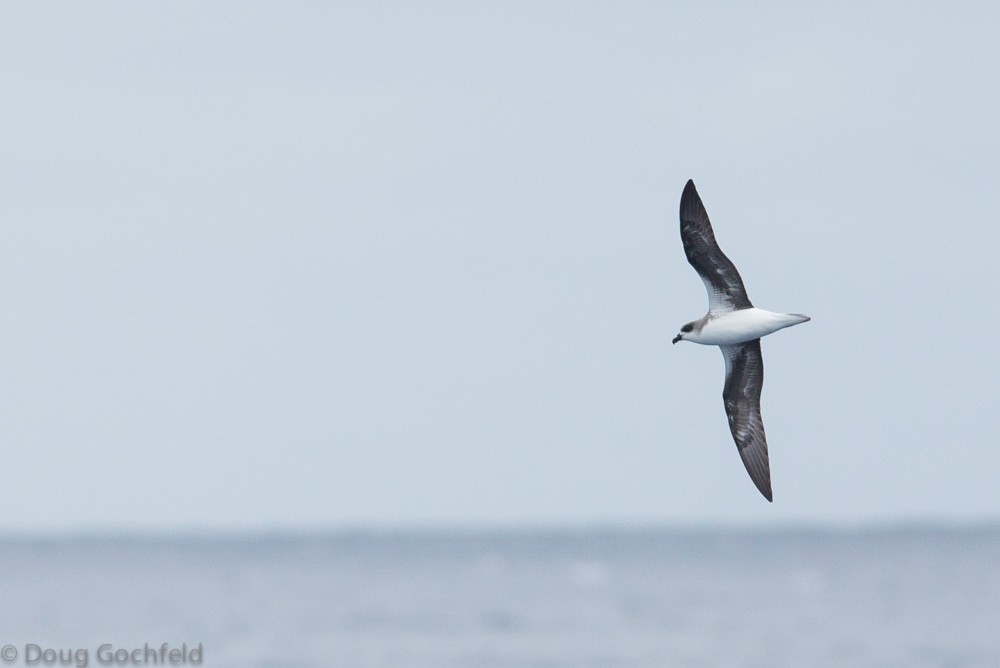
(686, 329)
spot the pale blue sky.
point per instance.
(327, 265)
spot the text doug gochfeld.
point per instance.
(109, 655)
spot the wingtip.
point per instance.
(760, 474)
(690, 200)
(764, 487)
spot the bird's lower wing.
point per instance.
(741, 394)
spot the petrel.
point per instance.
(735, 325)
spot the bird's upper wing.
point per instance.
(723, 282)
(741, 394)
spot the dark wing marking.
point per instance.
(725, 287)
(744, 380)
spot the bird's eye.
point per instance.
(686, 328)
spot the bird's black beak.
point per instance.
(677, 338)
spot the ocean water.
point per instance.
(887, 597)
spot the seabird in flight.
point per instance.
(735, 325)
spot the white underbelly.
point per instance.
(744, 325)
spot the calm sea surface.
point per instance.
(893, 597)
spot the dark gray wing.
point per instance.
(744, 380)
(723, 282)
